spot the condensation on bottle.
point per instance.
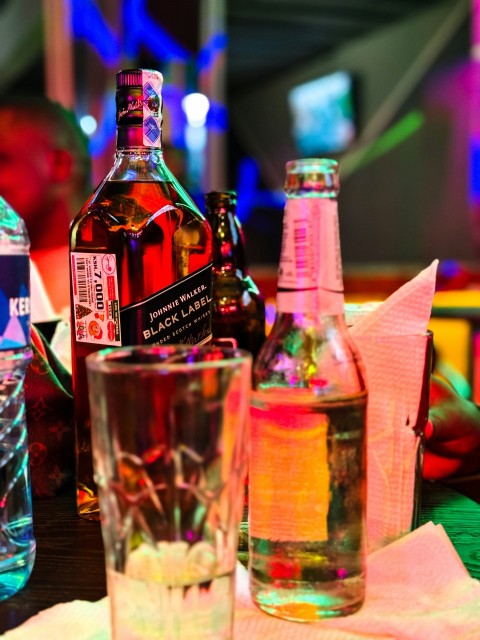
(17, 541)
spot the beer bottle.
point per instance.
(238, 306)
(308, 463)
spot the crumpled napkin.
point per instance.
(417, 588)
(391, 341)
(41, 308)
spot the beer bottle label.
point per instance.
(310, 273)
(14, 301)
(330, 276)
(288, 490)
(297, 274)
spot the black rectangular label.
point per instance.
(181, 313)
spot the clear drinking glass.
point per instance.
(169, 435)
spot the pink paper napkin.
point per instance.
(391, 342)
(417, 589)
(406, 311)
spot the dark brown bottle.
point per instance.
(140, 258)
(238, 306)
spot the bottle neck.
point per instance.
(132, 137)
(140, 164)
(310, 274)
(229, 245)
(139, 109)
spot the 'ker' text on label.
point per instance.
(19, 306)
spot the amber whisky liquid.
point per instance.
(158, 240)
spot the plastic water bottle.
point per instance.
(17, 541)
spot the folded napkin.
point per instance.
(417, 589)
(40, 306)
(392, 343)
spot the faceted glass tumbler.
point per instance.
(169, 435)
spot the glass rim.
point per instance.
(165, 358)
(309, 165)
(427, 334)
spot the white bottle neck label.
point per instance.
(152, 108)
(310, 273)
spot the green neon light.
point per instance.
(398, 133)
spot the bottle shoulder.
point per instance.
(135, 207)
(236, 278)
(307, 353)
(233, 284)
(139, 177)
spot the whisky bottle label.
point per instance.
(181, 312)
(95, 297)
(14, 302)
(310, 274)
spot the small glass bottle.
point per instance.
(140, 258)
(17, 541)
(238, 306)
(308, 461)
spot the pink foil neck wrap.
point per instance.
(310, 274)
(139, 108)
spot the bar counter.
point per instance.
(70, 561)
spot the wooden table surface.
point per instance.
(460, 517)
(70, 562)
